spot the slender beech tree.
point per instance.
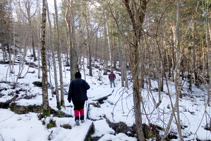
(108, 39)
(206, 5)
(38, 21)
(74, 55)
(178, 83)
(71, 37)
(88, 43)
(59, 54)
(122, 56)
(105, 62)
(54, 60)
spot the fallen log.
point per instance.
(7, 103)
(90, 131)
(100, 100)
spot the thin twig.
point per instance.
(2, 137)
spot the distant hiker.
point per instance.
(112, 77)
(78, 94)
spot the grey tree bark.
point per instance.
(59, 55)
(46, 110)
(122, 55)
(87, 19)
(208, 53)
(177, 68)
(105, 61)
(54, 60)
(137, 15)
(38, 37)
(109, 42)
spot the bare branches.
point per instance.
(28, 4)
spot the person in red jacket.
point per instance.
(112, 77)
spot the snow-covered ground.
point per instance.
(117, 108)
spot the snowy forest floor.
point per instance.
(109, 118)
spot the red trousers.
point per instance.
(79, 109)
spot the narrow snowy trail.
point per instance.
(77, 133)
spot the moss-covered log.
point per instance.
(7, 103)
(18, 109)
(121, 127)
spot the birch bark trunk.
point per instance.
(46, 110)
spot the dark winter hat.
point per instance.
(77, 75)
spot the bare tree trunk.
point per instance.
(203, 55)
(121, 61)
(120, 46)
(69, 18)
(59, 55)
(54, 60)
(177, 69)
(173, 54)
(142, 63)
(28, 5)
(105, 62)
(162, 68)
(169, 123)
(88, 42)
(208, 54)
(21, 64)
(46, 110)
(14, 43)
(74, 55)
(122, 55)
(12, 36)
(29, 17)
(134, 57)
(109, 43)
(194, 55)
(69, 31)
(38, 37)
(32, 37)
(137, 97)
(125, 66)
(90, 59)
(10, 57)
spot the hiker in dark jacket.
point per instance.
(78, 94)
(112, 77)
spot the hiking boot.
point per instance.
(82, 121)
(77, 122)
